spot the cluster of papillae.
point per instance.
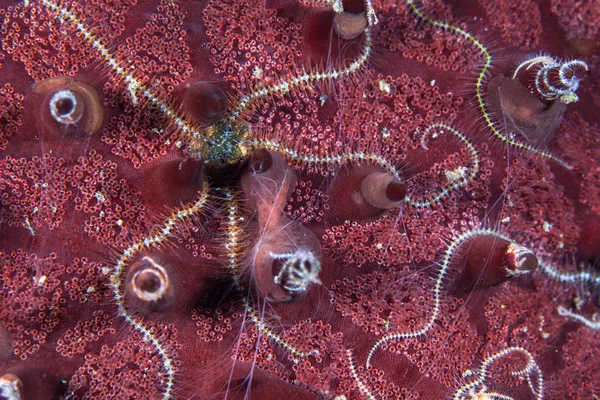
(378, 199)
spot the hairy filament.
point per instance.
(122, 263)
(477, 389)
(437, 290)
(232, 247)
(457, 184)
(284, 86)
(124, 72)
(479, 84)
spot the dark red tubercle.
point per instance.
(383, 190)
(204, 102)
(171, 182)
(268, 183)
(519, 260)
(341, 28)
(523, 111)
(488, 260)
(363, 192)
(354, 6)
(589, 241)
(261, 161)
(188, 172)
(290, 239)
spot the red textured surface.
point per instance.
(71, 205)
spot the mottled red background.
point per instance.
(70, 204)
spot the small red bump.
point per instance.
(535, 119)
(261, 161)
(488, 260)
(363, 192)
(382, 190)
(189, 172)
(204, 102)
(172, 182)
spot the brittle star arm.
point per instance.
(286, 85)
(437, 289)
(479, 83)
(116, 282)
(124, 71)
